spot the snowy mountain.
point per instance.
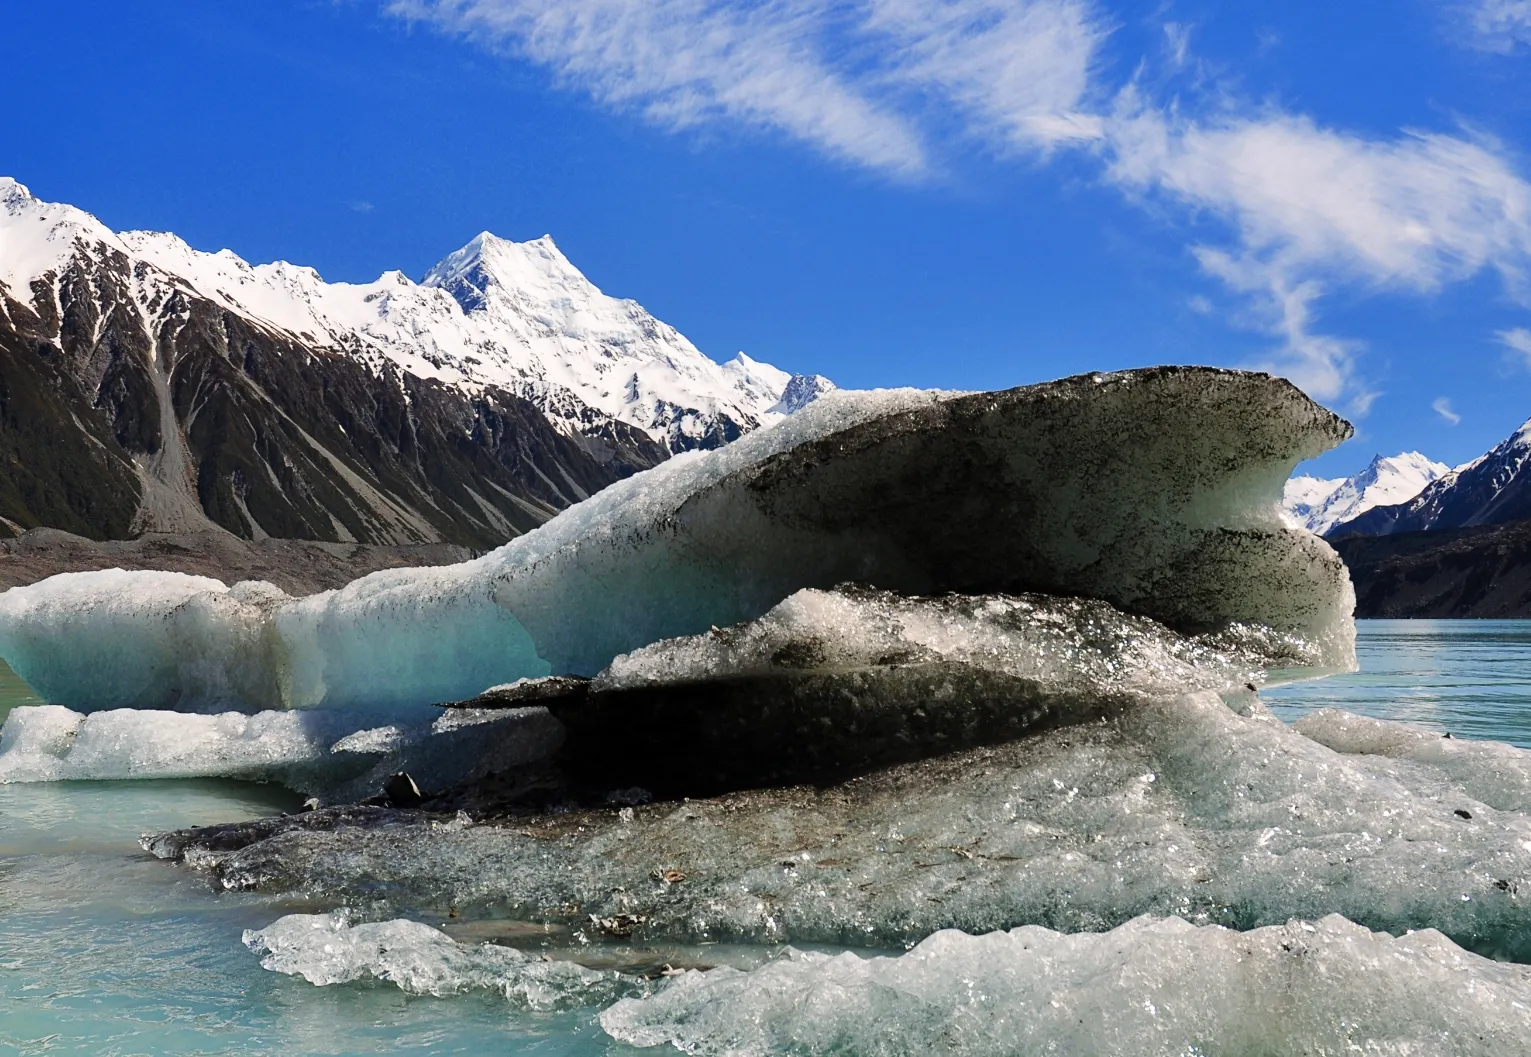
(185, 387)
(1319, 504)
(1493, 489)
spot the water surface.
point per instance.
(1471, 678)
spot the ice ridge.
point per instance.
(1151, 986)
(916, 492)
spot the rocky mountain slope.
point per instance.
(1484, 571)
(149, 387)
(1319, 504)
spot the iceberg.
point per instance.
(823, 686)
(1155, 490)
(1150, 987)
(329, 949)
(314, 751)
(830, 684)
(1170, 807)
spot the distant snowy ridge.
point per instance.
(517, 316)
(1319, 504)
(1493, 489)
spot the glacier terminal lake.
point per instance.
(106, 951)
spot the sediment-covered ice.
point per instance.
(1155, 490)
(312, 750)
(1172, 807)
(1152, 987)
(329, 949)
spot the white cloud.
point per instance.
(840, 77)
(1442, 407)
(1518, 341)
(1177, 42)
(1017, 70)
(1496, 25)
(1309, 208)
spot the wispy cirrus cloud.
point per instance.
(1518, 342)
(1300, 210)
(844, 78)
(1494, 25)
(1442, 407)
(1307, 209)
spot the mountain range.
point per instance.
(1493, 489)
(1424, 541)
(146, 386)
(1320, 504)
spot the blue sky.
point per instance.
(957, 193)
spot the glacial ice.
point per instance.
(1171, 807)
(312, 751)
(1149, 988)
(329, 949)
(826, 684)
(1156, 490)
(116, 639)
(1077, 645)
(1497, 774)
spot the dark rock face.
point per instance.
(112, 423)
(299, 567)
(1471, 572)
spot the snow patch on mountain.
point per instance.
(1319, 504)
(514, 315)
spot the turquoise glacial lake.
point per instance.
(105, 951)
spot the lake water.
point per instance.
(104, 951)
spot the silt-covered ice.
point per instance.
(1154, 490)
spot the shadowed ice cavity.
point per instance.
(1154, 490)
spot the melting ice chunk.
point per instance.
(312, 751)
(1155, 490)
(1173, 807)
(1148, 988)
(327, 949)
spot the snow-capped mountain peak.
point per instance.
(490, 266)
(1319, 504)
(1490, 490)
(37, 237)
(518, 316)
